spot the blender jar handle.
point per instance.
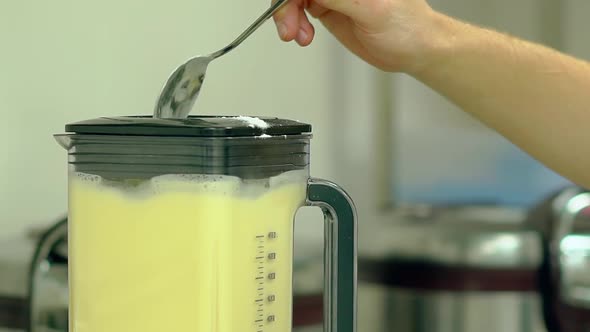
(340, 254)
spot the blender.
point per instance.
(187, 225)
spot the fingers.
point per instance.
(293, 24)
(287, 20)
(306, 30)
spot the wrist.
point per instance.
(435, 44)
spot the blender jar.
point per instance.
(187, 225)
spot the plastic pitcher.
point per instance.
(187, 225)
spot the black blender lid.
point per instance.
(197, 126)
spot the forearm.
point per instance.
(534, 96)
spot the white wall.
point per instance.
(68, 60)
(576, 27)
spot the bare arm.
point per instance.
(534, 96)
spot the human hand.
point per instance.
(392, 35)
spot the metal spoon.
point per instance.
(182, 88)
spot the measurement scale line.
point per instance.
(258, 278)
(258, 321)
(260, 237)
(259, 300)
(259, 257)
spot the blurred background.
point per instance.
(437, 193)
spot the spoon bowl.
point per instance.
(182, 87)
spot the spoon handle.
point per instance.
(265, 16)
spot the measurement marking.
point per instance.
(260, 237)
(261, 267)
(260, 305)
(262, 288)
(259, 300)
(260, 247)
(258, 278)
(258, 320)
(259, 257)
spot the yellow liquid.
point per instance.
(182, 254)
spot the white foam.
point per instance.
(198, 183)
(253, 122)
(218, 184)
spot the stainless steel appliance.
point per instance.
(475, 269)
(33, 290)
(48, 281)
(15, 259)
(564, 223)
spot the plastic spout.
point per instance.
(63, 140)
